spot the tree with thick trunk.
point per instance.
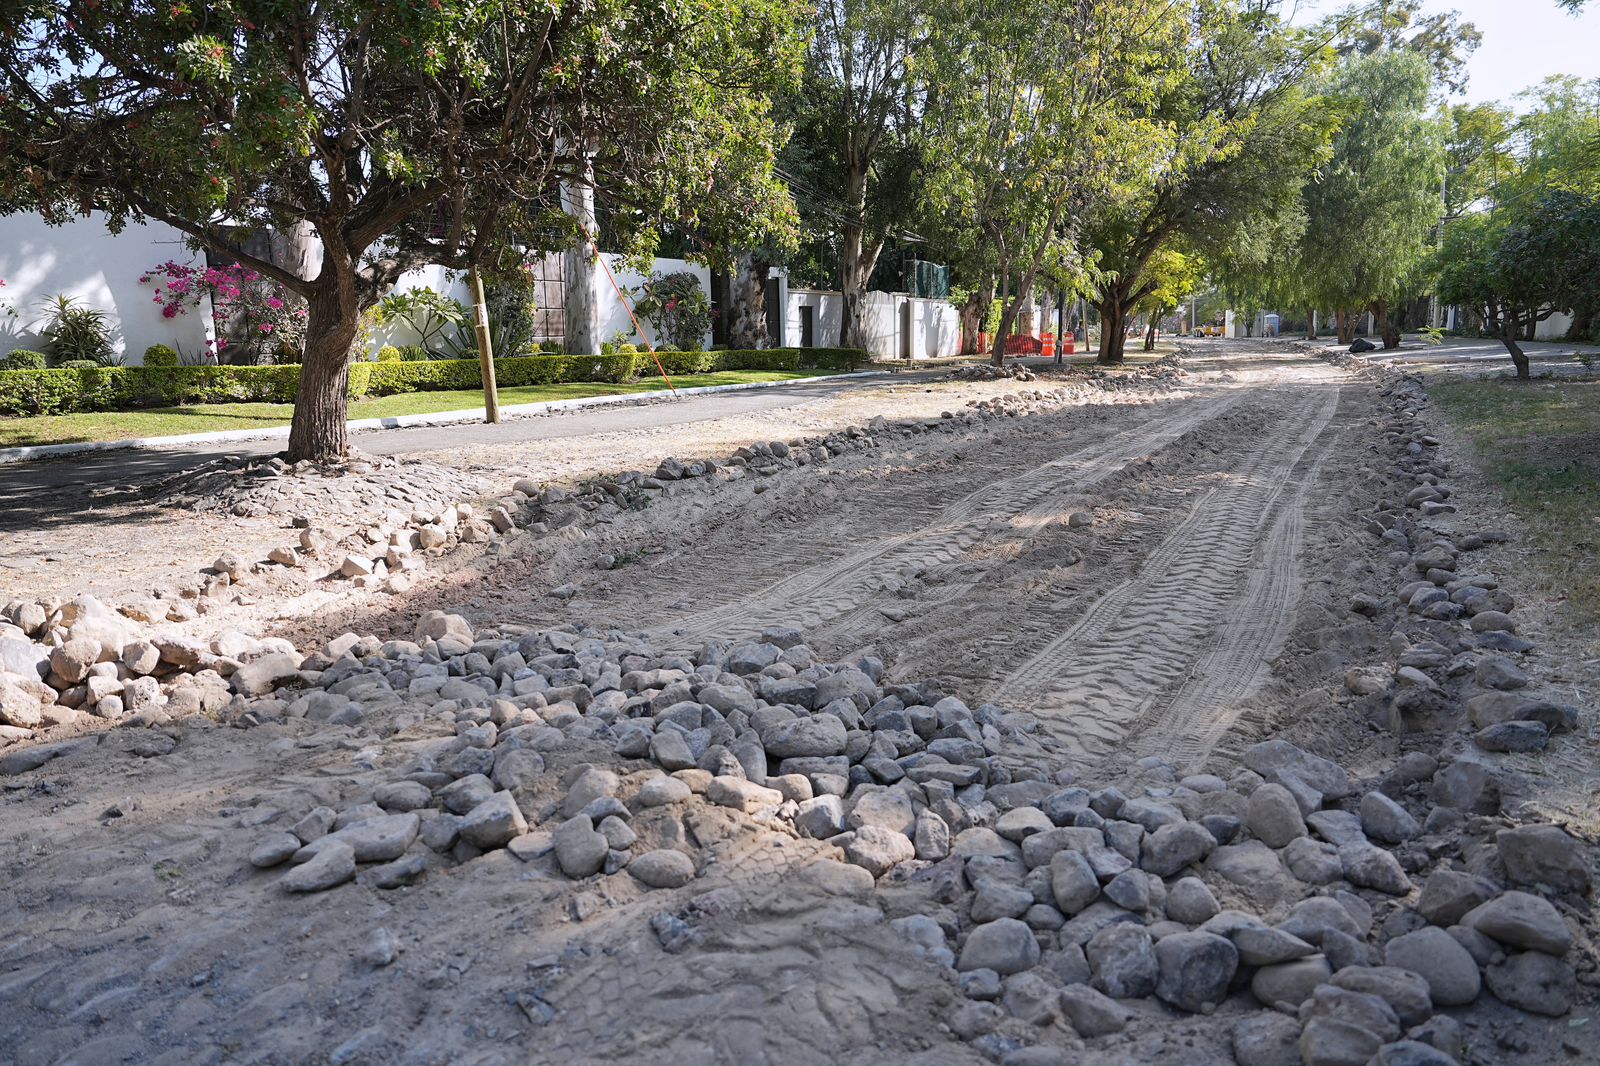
(747, 302)
(396, 135)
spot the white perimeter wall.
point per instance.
(84, 260)
(1553, 328)
(895, 324)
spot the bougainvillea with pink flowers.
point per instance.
(263, 319)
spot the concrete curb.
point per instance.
(438, 418)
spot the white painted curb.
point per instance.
(438, 418)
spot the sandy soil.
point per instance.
(1201, 608)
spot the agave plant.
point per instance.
(75, 331)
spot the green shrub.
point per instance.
(96, 388)
(415, 353)
(160, 355)
(22, 359)
(389, 354)
(79, 364)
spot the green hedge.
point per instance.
(49, 392)
(22, 359)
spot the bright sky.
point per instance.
(1524, 41)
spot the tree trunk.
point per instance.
(1002, 329)
(1519, 358)
(582, 275)
(1150, 335)
(1311, 324)
(747, 299)
(972, 312)
(858, 258)
(1346, 326)
(1113, 330)
(1383, 327)
(322, 403)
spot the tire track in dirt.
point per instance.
(858, 583)
(1147, 634)
(1185, 726)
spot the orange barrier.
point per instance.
(1047, 344)
(1072, 342)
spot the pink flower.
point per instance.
(266, 327)
(274, 303)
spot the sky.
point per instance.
(1523, 42)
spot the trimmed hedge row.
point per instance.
(50, 392)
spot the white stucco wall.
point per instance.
(827, 316)
(614, 314)
(84, 260)
(1553, 328)
(896, 324)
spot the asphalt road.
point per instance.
(72, 474)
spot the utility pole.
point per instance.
(480, 311)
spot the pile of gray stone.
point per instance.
(1459, 660)
(1339, 915)
(990, 372)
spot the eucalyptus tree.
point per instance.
(856, 150)
(1440, 36)
(396, 134)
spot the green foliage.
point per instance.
(1373, 209)
(1518, 266)
(677, 306)
(161, 355)
(1440, 38)
(1239, 130)
(513, 314)
(435, 318)
(23, 359)
(78, 364)
(92, 388)
(396, 135)
(74, 332)
(388, 354)
(856, 161)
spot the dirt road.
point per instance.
(1151, 575)
(958, 557)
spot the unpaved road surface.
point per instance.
(1147, 628)
(1151, 575)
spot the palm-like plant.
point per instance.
(75, 331)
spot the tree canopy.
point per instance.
(397, 134)
(1371, 212)
(1244, 129)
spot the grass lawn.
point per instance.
(207, 418)
(1540, 443)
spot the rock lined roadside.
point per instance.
(1347, 911)
(1459, 661)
